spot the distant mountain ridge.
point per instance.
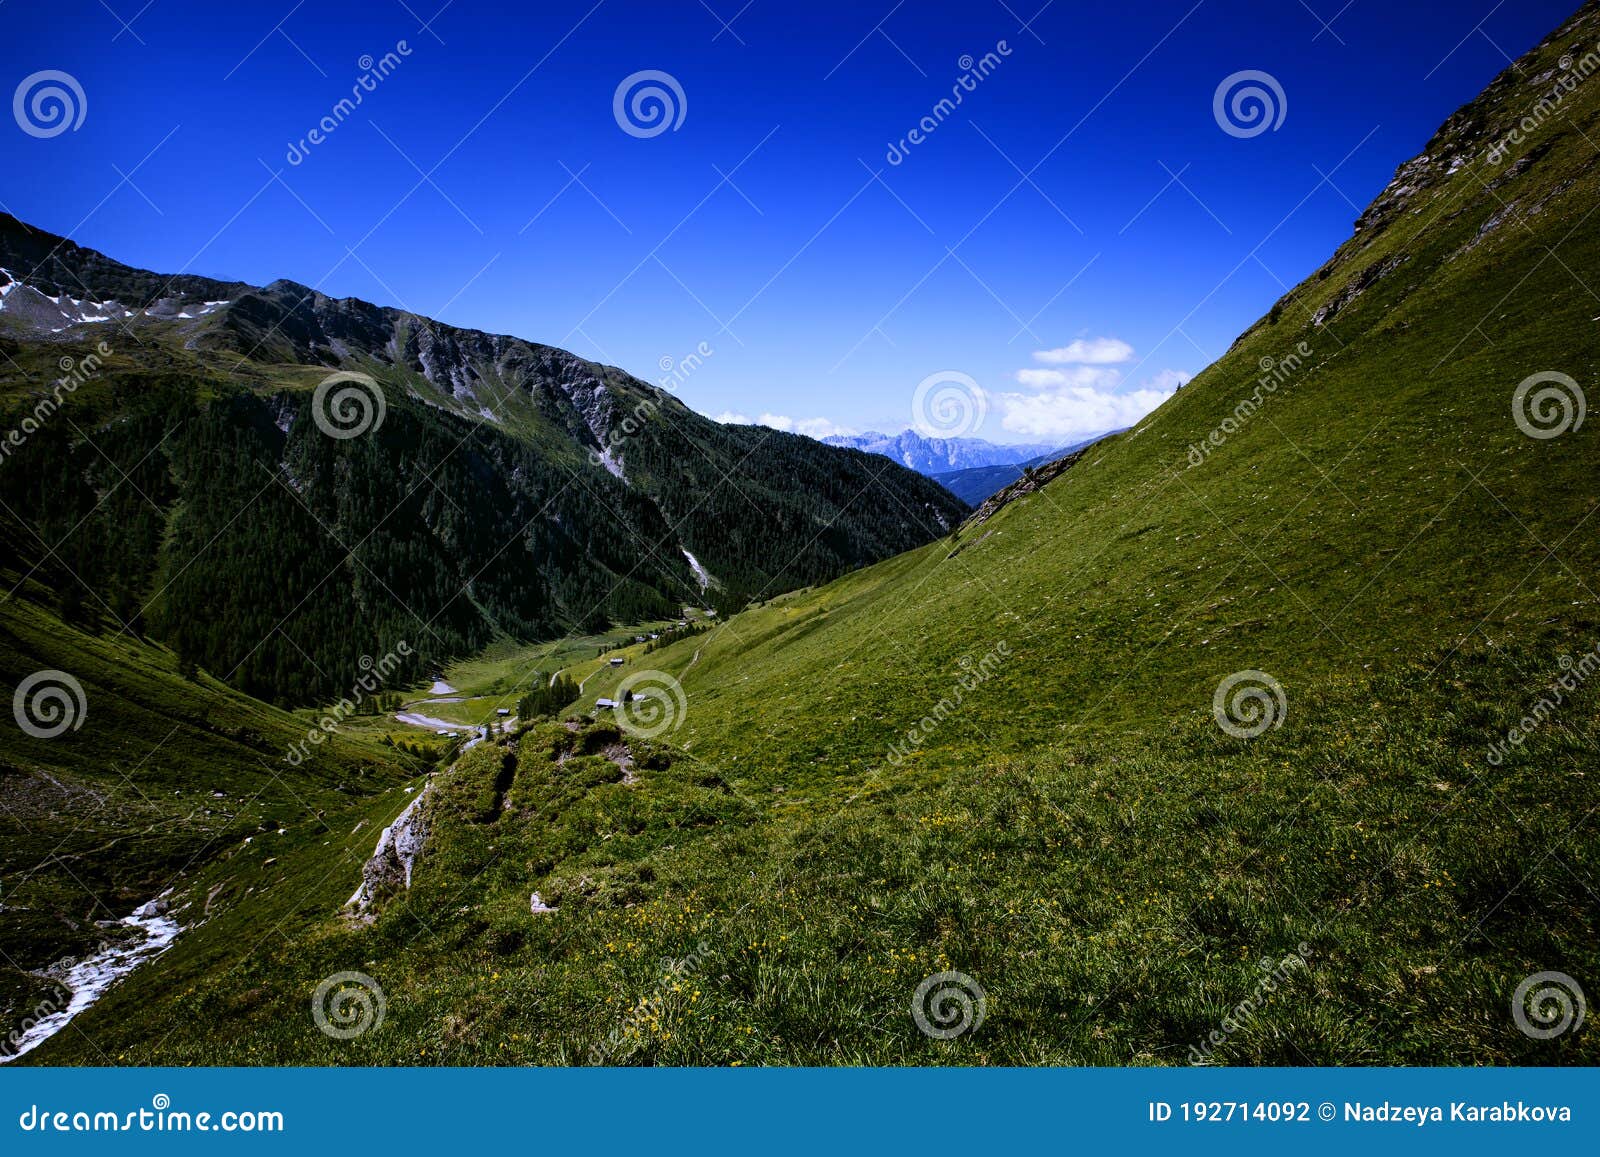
(938, 455)
(496, 487)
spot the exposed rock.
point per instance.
(1362, 281)
(389, 869)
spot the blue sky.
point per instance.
(1073, 238)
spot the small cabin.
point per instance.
(616, 662)
(502, 711)
(604, 704)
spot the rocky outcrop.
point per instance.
(1027, 484)
(389, 869)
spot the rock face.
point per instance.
(389, 869)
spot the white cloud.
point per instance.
(1097, 351)
(811, 427)
(1075, 376)
(1073, 411)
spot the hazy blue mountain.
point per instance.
(939, 455)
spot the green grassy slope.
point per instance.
(1074, 830)
(162, 776)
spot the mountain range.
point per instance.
(275, 482)
(931, 456)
